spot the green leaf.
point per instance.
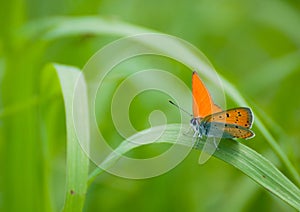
(77, 160)
(234, 153)
(56, 28)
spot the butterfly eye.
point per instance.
(194, 122)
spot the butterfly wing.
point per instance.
(210, 146)
(238, 131)
(241, 116)
(217, 130)
(203, 104)
(224, 130)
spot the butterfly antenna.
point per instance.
(180, 108)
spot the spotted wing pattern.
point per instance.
(241, 116)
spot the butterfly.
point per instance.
(211, 121)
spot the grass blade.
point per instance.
(77, 160)
(235, 95)
(234, 153)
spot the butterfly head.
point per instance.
(197, 126)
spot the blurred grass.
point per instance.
(232, 152)
(77, 161)
(254, 44)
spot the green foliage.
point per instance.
(236, 154)
(254, 45)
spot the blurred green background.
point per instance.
(253, 44)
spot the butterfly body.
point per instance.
(211, 121)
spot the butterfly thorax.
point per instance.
(198, 127)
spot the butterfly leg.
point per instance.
(195, 134)
(199, 135)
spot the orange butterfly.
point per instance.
(211, 121)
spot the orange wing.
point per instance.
(203, 104)
(241, 116)
(238, 132)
